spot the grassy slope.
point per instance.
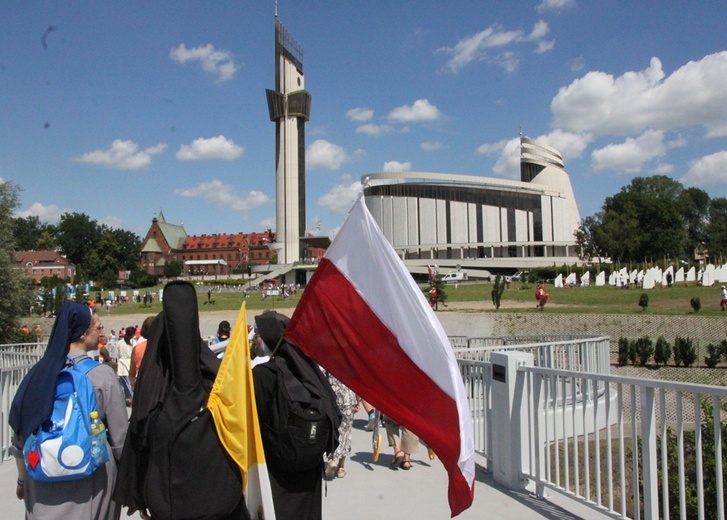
(581, 300)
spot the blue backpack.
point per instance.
(63, 448)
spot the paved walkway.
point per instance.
(372, 490)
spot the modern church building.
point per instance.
(453, 221)
(478, 221)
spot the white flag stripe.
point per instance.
(365, 254)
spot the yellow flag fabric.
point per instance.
(232, 403)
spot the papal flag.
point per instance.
(363, 318)
(232, 403)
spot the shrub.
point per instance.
(662, 351)
(623, 351)
(696, 304)
(644, 349)
(714, 355)
(632, 352)
(684, 352)
(497, 291)
(644, 301)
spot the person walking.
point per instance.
(348, 405)
(75, 333)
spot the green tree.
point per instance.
(716, 232)
(128, 250)
(16, 295)
(28, 232)
(588, 238)
(693, 205)
(78, 236)
(173, 269)
(646, 219)
(46, 242)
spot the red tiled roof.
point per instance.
(41, 258)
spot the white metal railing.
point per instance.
(552, 351)
(577, 353)
(15, 361)
(645, 465)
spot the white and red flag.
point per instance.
(364, 319)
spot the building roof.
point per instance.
(151, 246)
(41, 258)
(173, 234)
(236, 241)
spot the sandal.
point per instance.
(405, 465)
(398, 459)
(331, 470)
(341, 473)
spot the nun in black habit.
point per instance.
(296, 495)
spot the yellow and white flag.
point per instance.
(232, 403)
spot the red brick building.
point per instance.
(207, 255)
(40, 264)
(161, 245)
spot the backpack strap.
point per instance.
(84, 365)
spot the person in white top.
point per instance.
(123, 350)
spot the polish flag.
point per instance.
(364, 319)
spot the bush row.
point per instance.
(641, 350)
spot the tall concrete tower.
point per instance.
(289, 106)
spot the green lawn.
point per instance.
(590, 300)
(222, 301)
(601, 300)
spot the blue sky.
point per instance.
(122, 109)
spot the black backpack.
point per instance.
(300, 418)
(189, 473)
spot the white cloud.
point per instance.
(707, 170)
(603, 104)
(664, 169)
(374, 130)
(396, 166)
(476, 47)
(492, 148)
(123, 155)
(268, 223)
(339, 198)
(577, 64)
(49, 214)
(569, 145)
(218, 193)
(112, 221)
(421, 110)
(545, 46)
(360, 114)
(214, 61)
(508, 164)
(213, 148)
(430, 146)
(322, 154)
(630, 156)
(555, 4)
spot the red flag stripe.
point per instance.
(372, 363)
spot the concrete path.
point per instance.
(372, 490)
